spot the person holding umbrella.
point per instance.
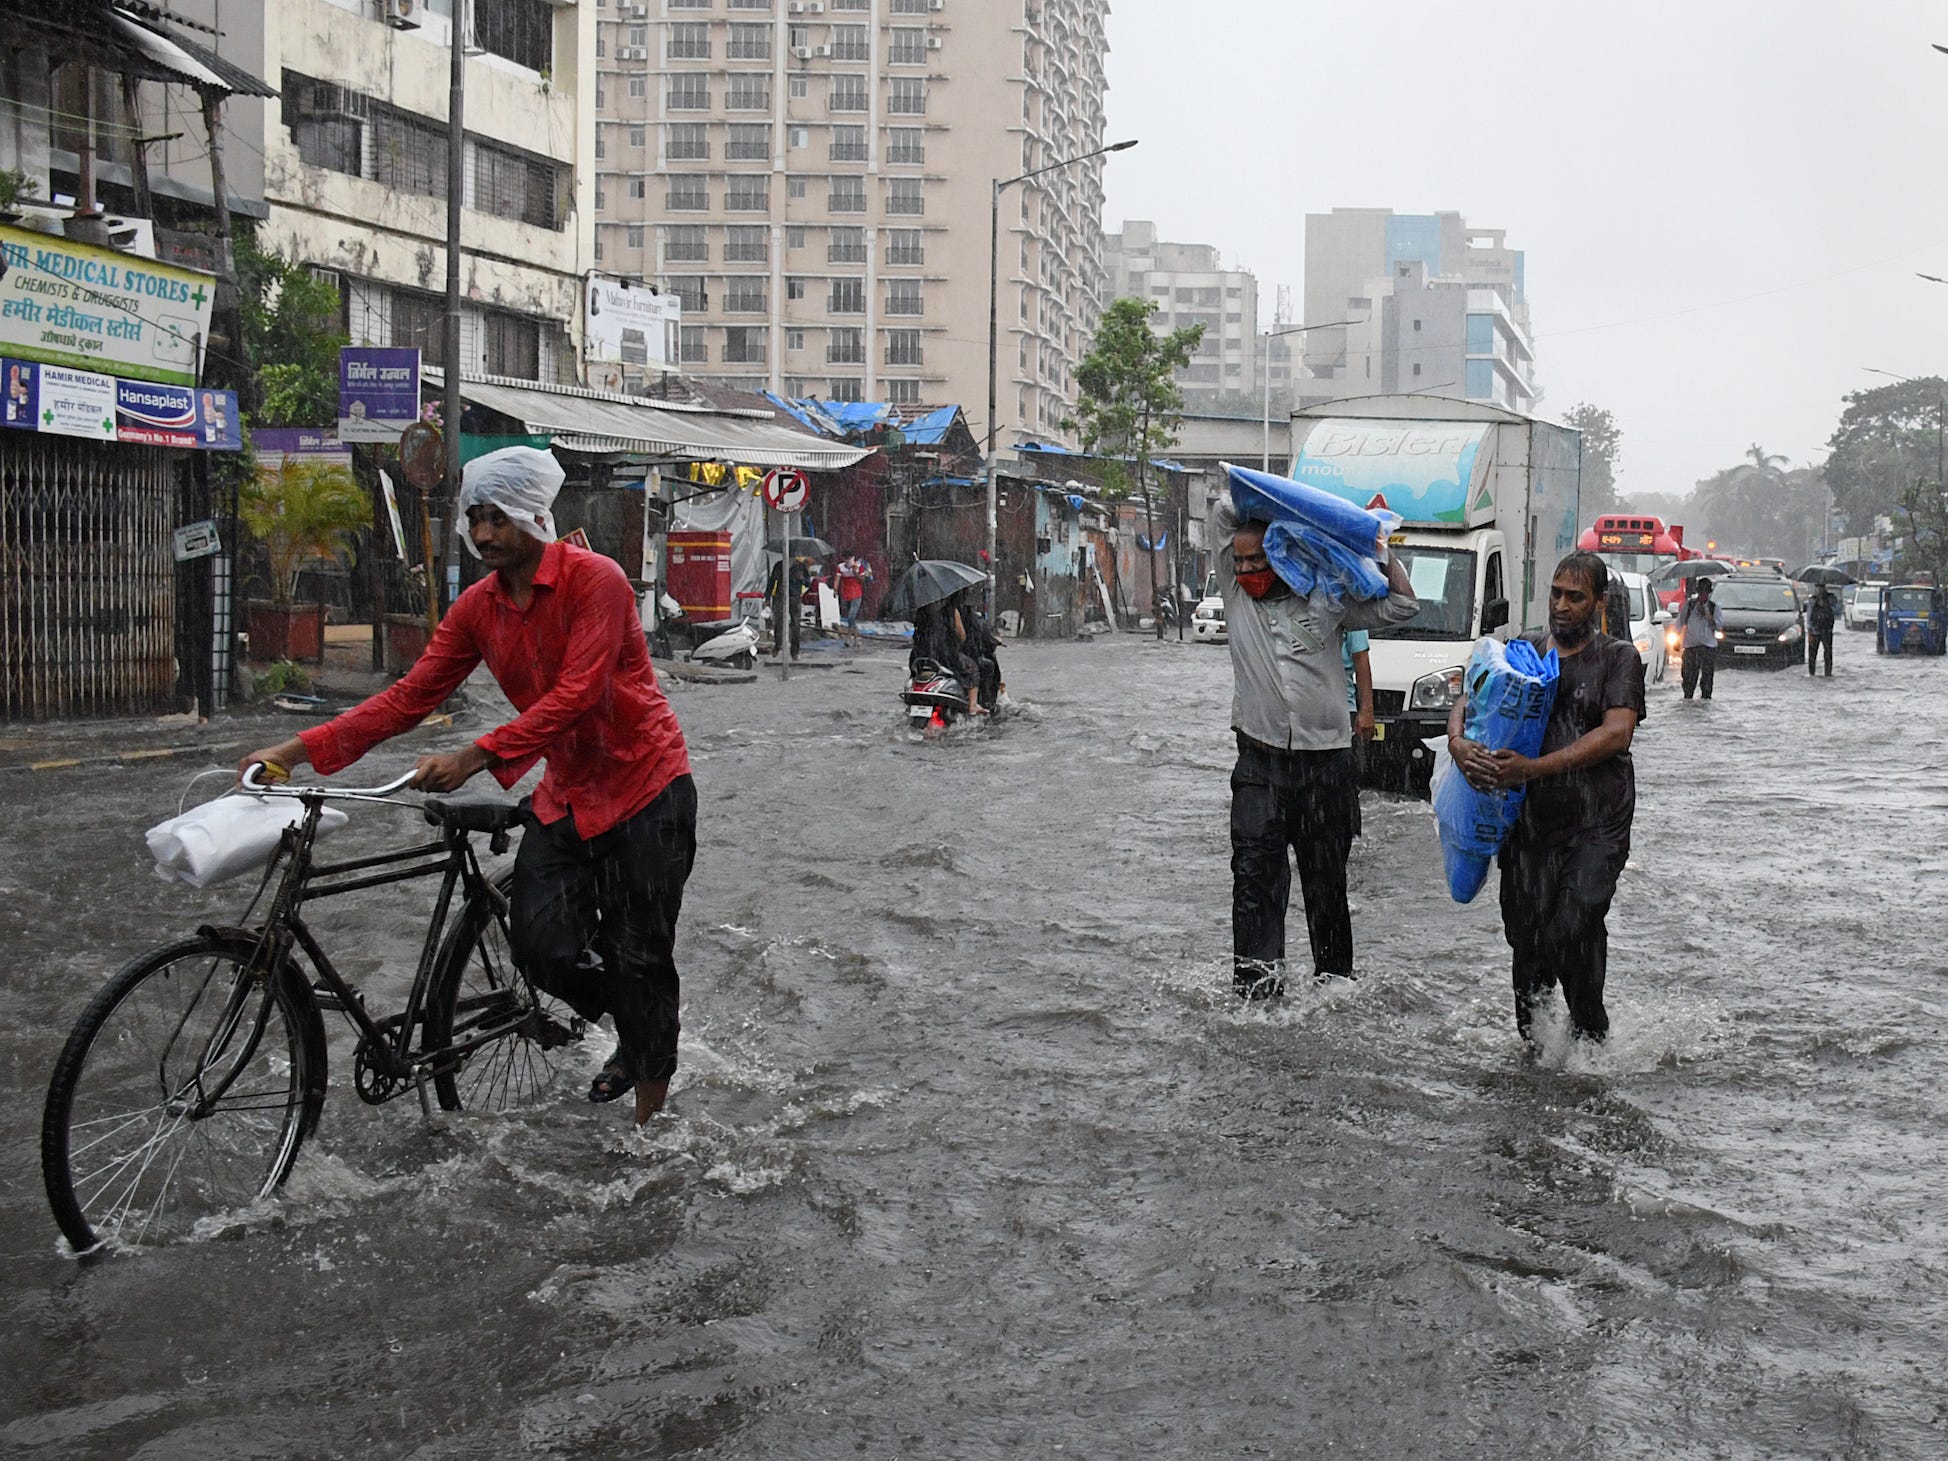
(928, 593)
(1702, 627)
(1820, 613)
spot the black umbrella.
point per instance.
(928, 582)
(796, 547)
(1701, 568)
(1818, 573)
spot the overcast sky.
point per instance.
(1723, 202)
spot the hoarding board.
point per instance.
(159, 415)
(629, 324)
(378, 393)
(87, 308)
(1424, 471)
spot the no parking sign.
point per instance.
(786, 488)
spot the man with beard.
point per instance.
(1560, 864)
(1295, 788)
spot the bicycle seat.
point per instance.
(472, 813)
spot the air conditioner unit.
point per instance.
(821, 50)
(815, 7)
(796, 7)
(801, 53)
(636, 12)
(632, 53)
(936, 4)
(402, 14)
(933, 43)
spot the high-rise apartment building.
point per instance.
(813, 178)
(1190, 286)
(1442, 308)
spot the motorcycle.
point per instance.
(732, 646)
(935, 697)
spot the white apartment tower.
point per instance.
(1189, 285)
(813, 178)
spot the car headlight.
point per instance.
(1791, 634)
(1437, 691)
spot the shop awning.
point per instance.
(602, 424)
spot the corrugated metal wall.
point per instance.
(87, 578)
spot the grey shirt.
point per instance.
(1700, 622)
(1285, 652)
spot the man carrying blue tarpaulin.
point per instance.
(1295, 785)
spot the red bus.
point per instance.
(1634, 542)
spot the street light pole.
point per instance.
(1265, 443)
(994, 288)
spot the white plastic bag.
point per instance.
(233, 834)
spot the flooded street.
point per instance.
(973, 1153)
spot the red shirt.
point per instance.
(574, 664)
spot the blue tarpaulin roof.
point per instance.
(1049, 448)
(932, 428)
(848, 419)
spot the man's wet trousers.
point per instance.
(1307, 801)
(617, 895)
(1554, 901)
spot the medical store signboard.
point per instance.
(99, 310)
(56, 401)
(378, 393)
(629, 324)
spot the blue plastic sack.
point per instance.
(1314, 539)
(1509, 690)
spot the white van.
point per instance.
(1647, 620)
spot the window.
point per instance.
(690, 344)
(1479, 380)
(794, 187)
(1416, 370)
(795, 236)
(687, 243)
(848, 297)
(801, 136)
(847, 246)
(638, 187)
(846, 347)
(601, 144)
(903, 196)
(746, 243)
(749, 92)
(638, 86)
(799, 86)
(903, 347)
(745, 295)
(690, 93)
(408, 154)
(848, 388)
(748, 194)
(901, 392)
(333, 142)
(750, 4)
(632, 236)
(601, 198)
(749, 141)
(689, 4)
(848, 94)
(689, 291)
(639, 35)
(638, 136)
(905, 246)
(906, 145)
(522, 31)
(909, 7)
(1481, 334)
(745, 344)
(601, 98)
(420, 320)
(909, 98)
(688, 194)
(848, 195)
(851, 4)
(750, 42)
(512, 345)
(848, 142)
(794, 287)
(850, 43)
(504, 183)
(689, 40)
(903, 297)
(794, 339)
(1416, 327)
(688, 141)
(909, 46)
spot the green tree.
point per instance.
(1602, 456)
(1888, 438)
(301, 511)
(290, 337)
(1129, 402)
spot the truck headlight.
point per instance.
(1437, 691)
(1790, 635)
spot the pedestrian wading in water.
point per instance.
(1560, 864)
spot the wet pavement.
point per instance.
(973, 1154)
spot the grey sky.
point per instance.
(1723, 202)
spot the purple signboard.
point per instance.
(20, 393)
(378, 393)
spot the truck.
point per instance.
(1488, 504)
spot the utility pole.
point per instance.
(456, 192)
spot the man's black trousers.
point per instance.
(1815, 641)
(1700, 666)
(1554, 901)
(617, 894)
(1308, 802)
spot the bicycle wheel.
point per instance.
(183, 1092)
(478, 995)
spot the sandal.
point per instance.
(617, 1079)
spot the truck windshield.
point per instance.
(1443, 580)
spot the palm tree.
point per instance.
(301, 511)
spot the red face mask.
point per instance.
(1258, 582)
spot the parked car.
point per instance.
(1647, 620)
(1862, 609)
(1207, 620)
(1763, 620)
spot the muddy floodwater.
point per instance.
(973, 1154)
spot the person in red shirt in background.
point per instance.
(854, 574)
(609, 835)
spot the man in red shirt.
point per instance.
(610, 833)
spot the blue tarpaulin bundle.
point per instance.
(1314, 539)
(1509, 689)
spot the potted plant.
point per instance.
(16, 187)
(300, 512)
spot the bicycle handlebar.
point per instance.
(251, 782)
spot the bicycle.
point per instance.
(195, 1074)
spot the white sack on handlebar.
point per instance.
(231, 835)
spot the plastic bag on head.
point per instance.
(521, 481)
